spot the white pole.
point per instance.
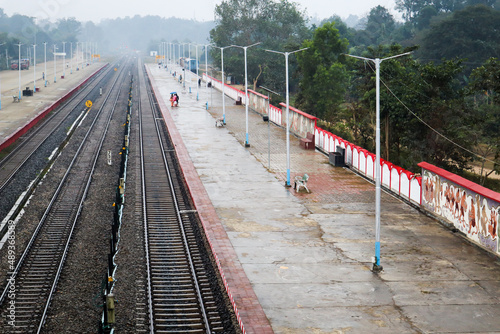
(34, 68)
(376, 265)
(64, 59)
(286, 54)
(223, 85)
(55, 75)
(197, 78)
(287, 124)
(71, 61)
(247, 144)
(377, 166)
(45, 60)
(1, 88)
(206, 72)
(19, 68)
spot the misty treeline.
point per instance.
(439, 104)
(110, 36)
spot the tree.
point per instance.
(67, 30)
(467, 33)
(411, 8)
(380, 25)
(276, 24)
(423, 113)
(324, 75)
(484, 87)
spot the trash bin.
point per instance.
(336, 159)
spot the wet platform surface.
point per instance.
(308, 255)
(14, 115)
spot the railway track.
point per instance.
(15, 160)
(182, 298)
(33, 279)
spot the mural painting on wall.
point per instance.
(474, 215)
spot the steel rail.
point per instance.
(175, 202)
(29, 248)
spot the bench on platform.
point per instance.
(308, 142)
(301, 182)
(219, 122)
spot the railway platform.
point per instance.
(301, 262)
(15, 115)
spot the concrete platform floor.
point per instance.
(308, 256)
(14, 115)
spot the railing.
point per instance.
(232, 92)
(400, 181)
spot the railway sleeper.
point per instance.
(164, 300)
(178, 314)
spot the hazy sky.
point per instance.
(201, 10)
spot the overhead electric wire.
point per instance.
(427, 125)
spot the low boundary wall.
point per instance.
(468, 207)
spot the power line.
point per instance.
(427, 125)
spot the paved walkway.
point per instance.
(308, 256)
(14, 115)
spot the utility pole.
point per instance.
(376, 265)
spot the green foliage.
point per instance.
(277, 25)
(67, 30)
(487, 79)
(380, 25)
(323, 72)
(484, 90)
(429, 101)
(467, 33)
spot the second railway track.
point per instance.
(183, 292)
(32, 281)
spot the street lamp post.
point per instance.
(223, 81)
(376, 265)
(77, 59)
(268, 125)
(71, 59)
(247, 144)
(55, 68)
(197, 79)
(34, 68)
(189, 67)
(165, 52)
(45, 62)
(19, 68)
(1, 87)
(64, 59)
(183, 66)
(206, 72)
(286, 54)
